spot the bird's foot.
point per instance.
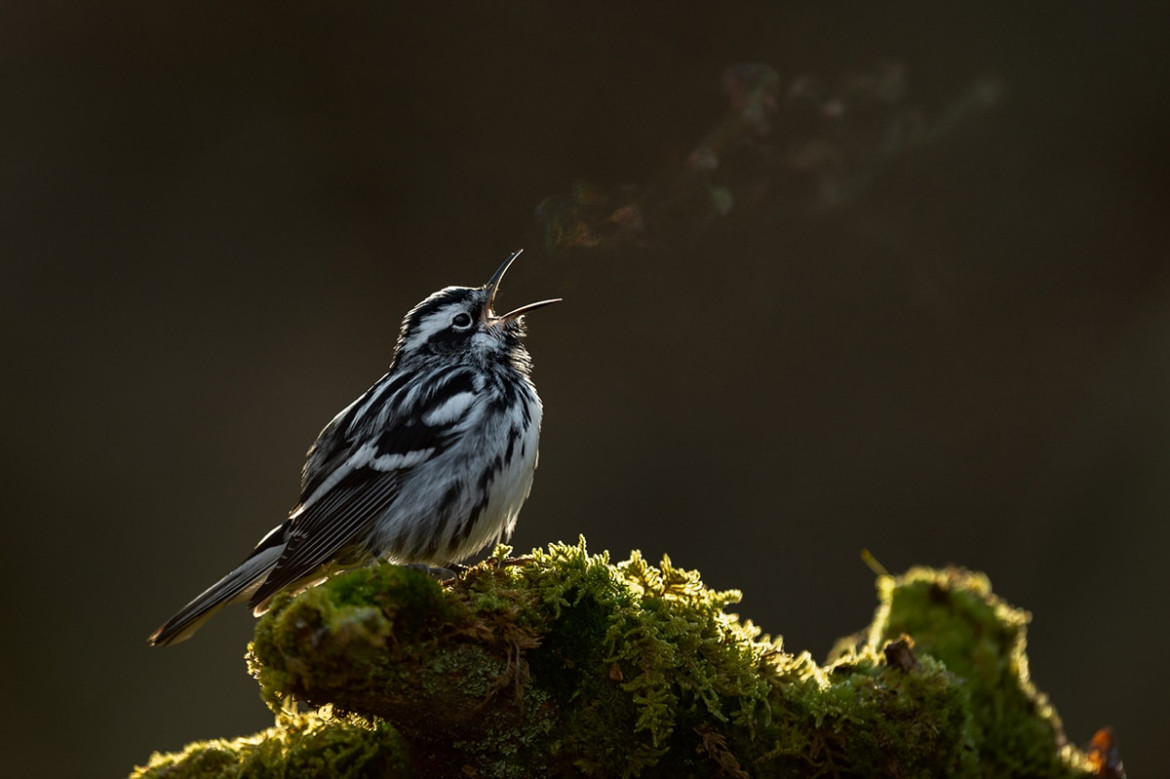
(437, 571)
(515, 561)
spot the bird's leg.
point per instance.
(437, 571)
(516, 561)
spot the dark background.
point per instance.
(213, 216)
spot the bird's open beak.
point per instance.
(493, 286)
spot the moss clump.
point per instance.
(299, 745)
(955, 618)
(565, 664)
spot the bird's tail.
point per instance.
(236, 586)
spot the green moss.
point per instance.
(863, 717)
(563, 663)
(955, 618)
(300, 745)
(336, 635)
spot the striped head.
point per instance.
(458, 324)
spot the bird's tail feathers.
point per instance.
(236, 586)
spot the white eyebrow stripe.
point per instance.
(433, 324)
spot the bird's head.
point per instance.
(459, 323)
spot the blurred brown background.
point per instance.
(213, 217)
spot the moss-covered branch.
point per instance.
(565, 664)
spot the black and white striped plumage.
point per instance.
(430, 465)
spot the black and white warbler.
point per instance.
(429, 466)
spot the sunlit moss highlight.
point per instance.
(298, 745)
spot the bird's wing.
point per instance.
(340, 507)
(337, 441)
(329, 525)
(388, 406)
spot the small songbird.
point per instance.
(429, 466)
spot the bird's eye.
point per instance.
(462, 320)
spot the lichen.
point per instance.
(562, 663)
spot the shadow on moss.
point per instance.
(565, 664)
